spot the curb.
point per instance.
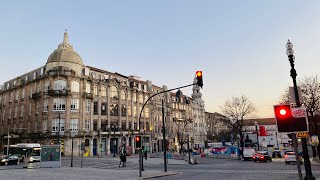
(161, 175)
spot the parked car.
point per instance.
(276, 154)
(11, 159)
(290, 156)
(248, 153)
(262, 156)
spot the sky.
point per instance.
(239, 45)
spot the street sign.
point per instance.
(299, 112)
(302, 134)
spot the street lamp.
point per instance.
(293, 74)
(256, 124)
(114, 139)
(72, 137)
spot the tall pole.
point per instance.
(71, 152)
(164, 144)
(114, 141)
(257, 135)
(8, 146)
(293, 74)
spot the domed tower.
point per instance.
(65, 57)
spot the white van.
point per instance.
(248, 153)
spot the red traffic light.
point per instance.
(199, 73)
(138, 138)
(283, 112)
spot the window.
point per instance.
(88, 88)
(34, 75)
(129, 111)
(88, 105)
(10, 112)
(123, 110)
(11, 97)
(46, 86)
(129, 97)
(36, 126)
(134, 111)
(87, 125)
(94, 75)
(134, 97)
(75, 87)
(30, 92)
(114, 92)
(45, 105)
(74, 104)
(55, 125)
(114, 110)
(22, 93)
(15, 111)
(37, 108)
(104, 108)
(17, 95)
(59, 104)
(44, 126)
(74, 125)
(95, 90)
(95, 107)
(21, 110)
(60, 85)
(103, 92)
(123, 95)
(146, 112)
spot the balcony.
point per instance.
(36, 96)
(59, 92)
(88, 95)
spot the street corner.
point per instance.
(160, 174)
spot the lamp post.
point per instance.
(114, 140)
(72, 137)
(293, 74)
(256, 124)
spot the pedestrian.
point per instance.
(145, 155)
(123, 159)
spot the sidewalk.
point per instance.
(67, 173)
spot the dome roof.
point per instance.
(65, 53)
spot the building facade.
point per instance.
(67, 101)
(216, 123)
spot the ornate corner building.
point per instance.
(66, 100)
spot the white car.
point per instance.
(290, 156)
(248, 153)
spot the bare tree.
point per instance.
(285, 98)
(237, 110)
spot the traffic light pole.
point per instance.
(295, 147)
(293, 74)
(139, 122)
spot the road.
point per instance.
(209, 168)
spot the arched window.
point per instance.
(114, 92)
(75, 86)
(95, 90)
(103, 92)
(88, 88)
(60, 85)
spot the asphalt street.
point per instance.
(209, 168)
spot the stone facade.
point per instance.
(67, 100)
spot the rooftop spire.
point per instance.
(65, 38)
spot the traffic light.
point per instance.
(286, 122)
(199, 78)
(138, 141)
